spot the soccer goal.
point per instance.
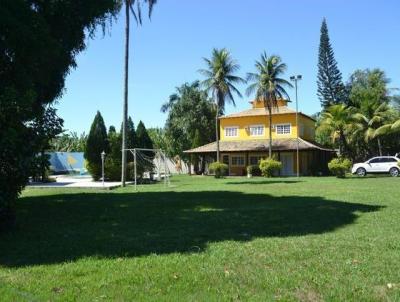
(150, 165)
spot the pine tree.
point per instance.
(331, 89)
(97, 142)
(111, 129)
(143, 138)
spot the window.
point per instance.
(388, 160)
(256, 130)
(375, 161)
(237, 160)
(225, 159)
(231, 131)
(254, 160)
(283, 129)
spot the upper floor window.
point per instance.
(231, 131)
(283, 129)
(256, 130)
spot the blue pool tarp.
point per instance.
(67, 162)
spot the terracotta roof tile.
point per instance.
(283, 144)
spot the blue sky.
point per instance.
(168, 51)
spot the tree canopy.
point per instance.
(39, 41)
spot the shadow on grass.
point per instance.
(263, 181)
(66, 227)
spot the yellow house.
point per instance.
(244, 140)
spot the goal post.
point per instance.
(149, 163)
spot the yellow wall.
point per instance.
(244, 122)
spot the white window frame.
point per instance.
(284, 124)
(257, 126)
(231, 127)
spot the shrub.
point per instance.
(254, 170)
(269, 166)
(219, 169)
(339, 166)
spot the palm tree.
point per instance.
(375, 122)
(268, 86)
(338, 120)
(219, 82)
(134, 6)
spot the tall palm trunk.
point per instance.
(379, 146)
(217, 130)
(270, 131)
(125, 111)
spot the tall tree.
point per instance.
(97, 142)
(220, 81)
(189, 111)
(39, 41)
(268, 86)
(134, 6)
(331, 89)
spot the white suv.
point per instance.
(381, 164)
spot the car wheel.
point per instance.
(394, 172)
(361, 172)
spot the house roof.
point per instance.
(283, 144)
(264, 111)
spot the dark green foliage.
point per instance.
(111, 129)
(97, 142)
(269, 167)
(143, 138)
(254, 170)
(190, 121)
(38, 44)
(339, 166)
(331, 89)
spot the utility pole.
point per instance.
(295, 79)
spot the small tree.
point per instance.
(339, 166)
(219, 169)
(97, 142)
(269, 166)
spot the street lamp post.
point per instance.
(295, 79)
(103, 156)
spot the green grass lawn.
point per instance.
(202, 239)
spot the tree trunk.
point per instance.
(379, 146)
(125, 110)
(270, 132)
(42, 166)
(217, 131)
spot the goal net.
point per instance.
(150, 165)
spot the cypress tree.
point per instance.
(97, 142)
(130, 138)
(330, 86)
(143, 137)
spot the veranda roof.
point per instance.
(282, 144)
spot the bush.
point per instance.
(219, 169)
(339, 166)
(254, 170)
(269, 166)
